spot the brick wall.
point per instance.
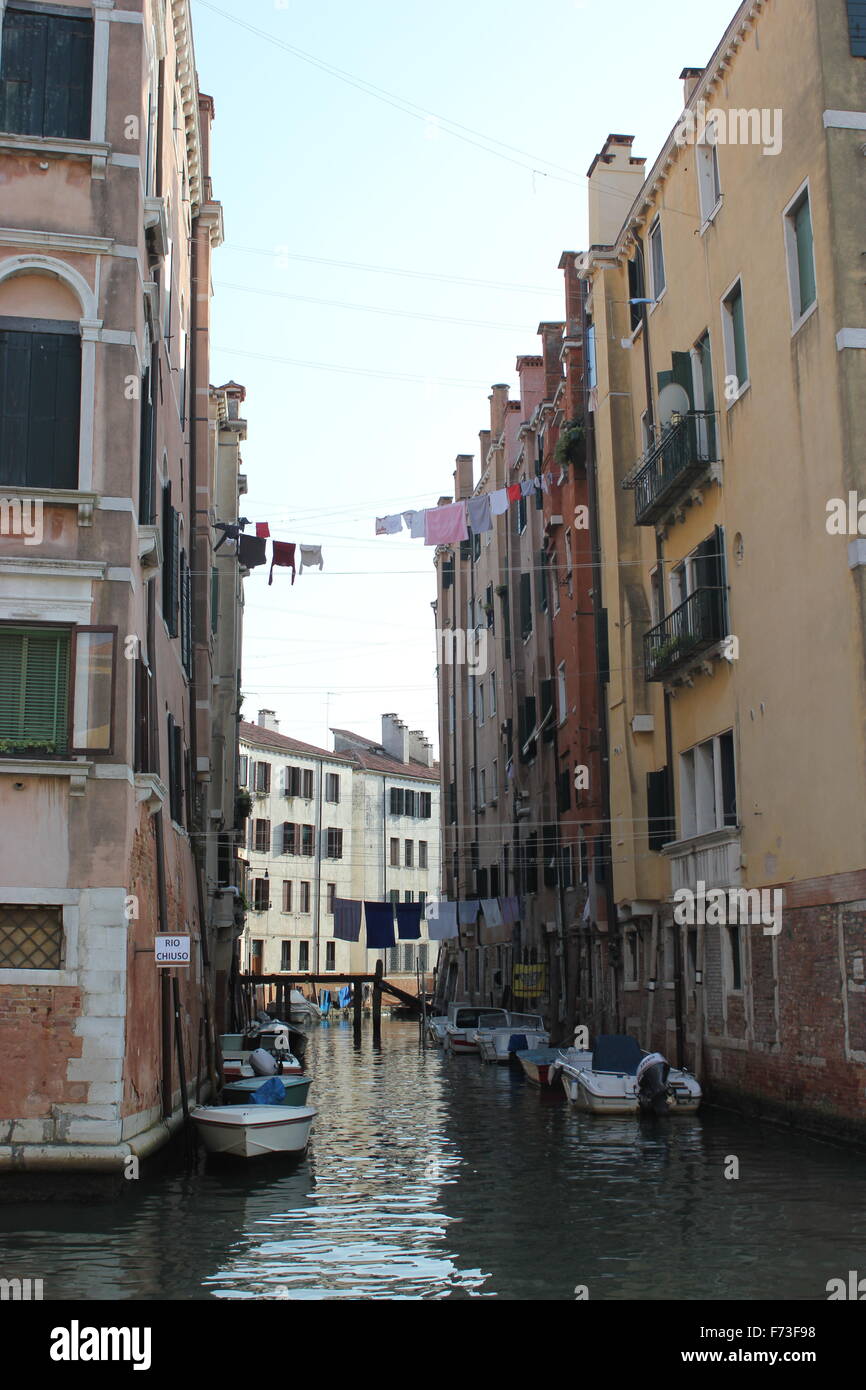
(37, 1040)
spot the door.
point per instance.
(704, 397)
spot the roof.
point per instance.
(373, 758)
(280, 743)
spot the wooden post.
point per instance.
(377, 1004)
(181, 1067)
(357, 1005)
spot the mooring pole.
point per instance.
(357, 1006)
(377, 1004)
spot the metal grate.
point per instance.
(31, 938)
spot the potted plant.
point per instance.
(243, 805)
(571, 444)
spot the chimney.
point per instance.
(420, 748)
(568, 264)
(463, 484)
(395, 738)
(690, 77)
(267, 720)
(498, 404)
(616, 176)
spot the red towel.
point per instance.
(263, 530)
(284, 554)
(513, 492)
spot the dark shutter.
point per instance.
(636, 287)
(525, 605)
(563, 798)
(170, 560)
(147, 457)
(46, 75)
(186, 615)
(40, 399)
(682, 374)
(660, 820)
(448, 572)
(857, 27)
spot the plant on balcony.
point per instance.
(571, 445)
(670, 651)
(27, 746)
(243, 805)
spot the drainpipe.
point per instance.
(318, 872)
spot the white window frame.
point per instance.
(803, 193)
(729, 341)
(709, 180)
(561, 692)
(701, 783)
(656, 292)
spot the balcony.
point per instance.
(684, 456)
(713, 859)
(687, 632)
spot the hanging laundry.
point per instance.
(510, 910)
(499, 501)
(445, 525)
(347, 919)
(409, 921)
(441, 920)
(252, 551)
(283, 553)
(545, 482)
(467, 913)
(311, 556)
(263, 531)
(415, 524)
(380, 925)
(231, 530)
(480, 517)
(513, 491)
(527, 486)
(388, 525)
(492, 914)
(550, 480)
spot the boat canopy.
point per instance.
(618, 1052)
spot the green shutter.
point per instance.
(682, 374)
(214, 598)
(805, 257)
(738, 318)
(34, 690)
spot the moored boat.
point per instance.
(613, 1081)
(538, 1063)
(252, 1131)
(464, 1021)
(523, 1031)
(242, 1091)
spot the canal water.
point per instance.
(436, 1177)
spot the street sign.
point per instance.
(172, 950)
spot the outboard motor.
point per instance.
(264, 1063)
(652, 1083)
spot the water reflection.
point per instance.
(435, 1177)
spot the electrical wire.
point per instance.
(371, 308)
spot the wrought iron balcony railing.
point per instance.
(672, 465)
(691, 628)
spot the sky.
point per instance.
(465, 171)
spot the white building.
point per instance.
(361, 822)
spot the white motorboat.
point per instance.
(620, 1078)
(436, 1029)
(303, 1010)
(523, 1032)
(250, 1131)
(464, 1021)
(236, 1066)
(540, 1064)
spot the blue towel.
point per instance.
(325, 1000)
(380, 925)
(345, 996)
(347, 919)
(272, 1093)
(517, 1042)
(409, 921)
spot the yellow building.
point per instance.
(726, 306)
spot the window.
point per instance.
(422, 899)
(170, 561)
(331, 893)
(263, 777)
(408, 896)
(734, 330)
(494, 782)
(561, 700)
(36, 666)
(630, 954)
(308, 840)
(40, 402)
(335, 845)
(262, 836)
(660, 820)
(31, 938)
(480, 702)
(424, 805)
(393, 959)
(521, 514)
(330, 955)
(243, 774)
(175, 771)
(332, 787)
(395, 853)
(733, 963)
(185, 592)
(299, 782)
(46, 75)
(525, 605)
(801, 253)
(408, 854)
(286, 953)
(304, 905)
(307, 784)
(636, 289)
(492, 695)
(261, 894)
(394, 896)
(290, 837)
(287, 904)
(857, 27)
(709, 183)
(422, 854)
(303, 957)
(657, 260)
(708, 798)
(396, 801)
(483, 788)
(257, 948)
(409, 803)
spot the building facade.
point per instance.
(364, 826)
(110, 461)
(727, 326)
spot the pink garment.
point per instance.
(445, 525)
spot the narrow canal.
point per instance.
(433, 1177)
